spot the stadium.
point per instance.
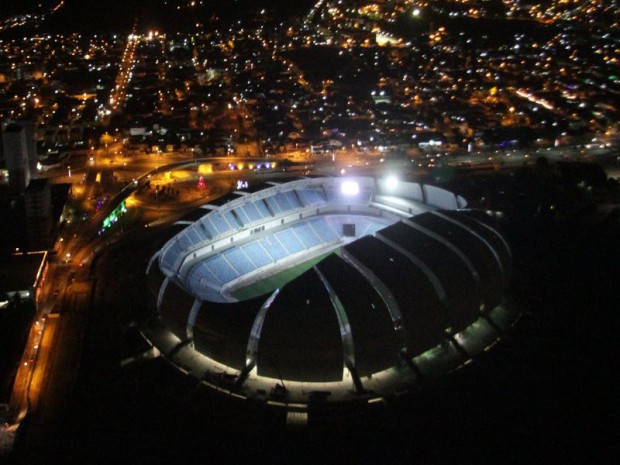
(328, 289)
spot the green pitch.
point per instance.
(277, 280)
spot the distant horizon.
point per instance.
(117, 16)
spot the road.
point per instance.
(50, 362)
(48, 365)
(53, 379)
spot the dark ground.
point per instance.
(545, 394)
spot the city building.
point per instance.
(19, 154)
(39, 217)
(21, 277)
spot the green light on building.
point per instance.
(113, 217)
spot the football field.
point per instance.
(277, 280)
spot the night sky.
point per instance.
(118, 15)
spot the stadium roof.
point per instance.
(397, 275)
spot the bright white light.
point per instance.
(350, 188)
(415, 13)
(391, 182)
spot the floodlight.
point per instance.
(350, 188)
(391, 182)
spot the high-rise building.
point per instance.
(38, 200)
(19, 154)
(30, 129)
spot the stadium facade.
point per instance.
(328, 289)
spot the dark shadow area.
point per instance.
(545, 394)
